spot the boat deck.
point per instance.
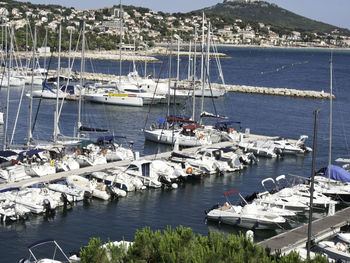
(321, 228)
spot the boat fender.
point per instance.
(220, 219)
(189, 170)
(239, 220)
(14, 161)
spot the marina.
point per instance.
(189, 200)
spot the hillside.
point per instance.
(269, 14)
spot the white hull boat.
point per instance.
(169, 137)
(337, 251)
(249, 216)
(122, 181)
(121, 99)
(98, 190)
(39, 170)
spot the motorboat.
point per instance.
(143, 170)
(228, 161)
(344, 237)
(338, 251)
(249, 216)
(58, 255)
(297, 148)
(303, 192)
(97, 189)
(264, 148)
(117, 178)
(114, 97)
(75, 194)
(334, 182)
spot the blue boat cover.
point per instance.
(7, 153)
(161, 121)
(338, 173)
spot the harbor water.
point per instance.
(267, 115)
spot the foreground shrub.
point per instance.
(182, 245)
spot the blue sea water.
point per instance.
(268, 115)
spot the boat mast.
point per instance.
(30, 135)
(330, 117)
(189, 60)
(82, 69)
(178, 61)
(8, 85)
(194, 74)
(120, 41)
(55, 133)
(70, 48)
(169, 74)
(202, 55)
(205, 73)
(45, 48)
(27, 41)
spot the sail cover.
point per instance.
(88, 129)
(338, 173)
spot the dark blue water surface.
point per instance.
(268, 115)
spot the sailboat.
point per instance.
(185, 131)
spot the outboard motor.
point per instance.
(110, 190)
(87, 195)
(47, 205)
(48, 209)
(252, 158)
(217, 155)
(65, 199)
(278, 151)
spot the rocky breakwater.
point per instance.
(276, 91)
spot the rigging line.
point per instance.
(211, 92)
(155, 90)
(341, 115)
(68, 80)
(46, 75)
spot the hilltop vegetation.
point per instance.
(269, 14)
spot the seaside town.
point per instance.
(147, 28)
(133, 135)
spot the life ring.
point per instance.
(230, 130)
(201, 136)
(189, 170)
(104, 151)
(78, 151)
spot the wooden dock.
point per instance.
(321, 228)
